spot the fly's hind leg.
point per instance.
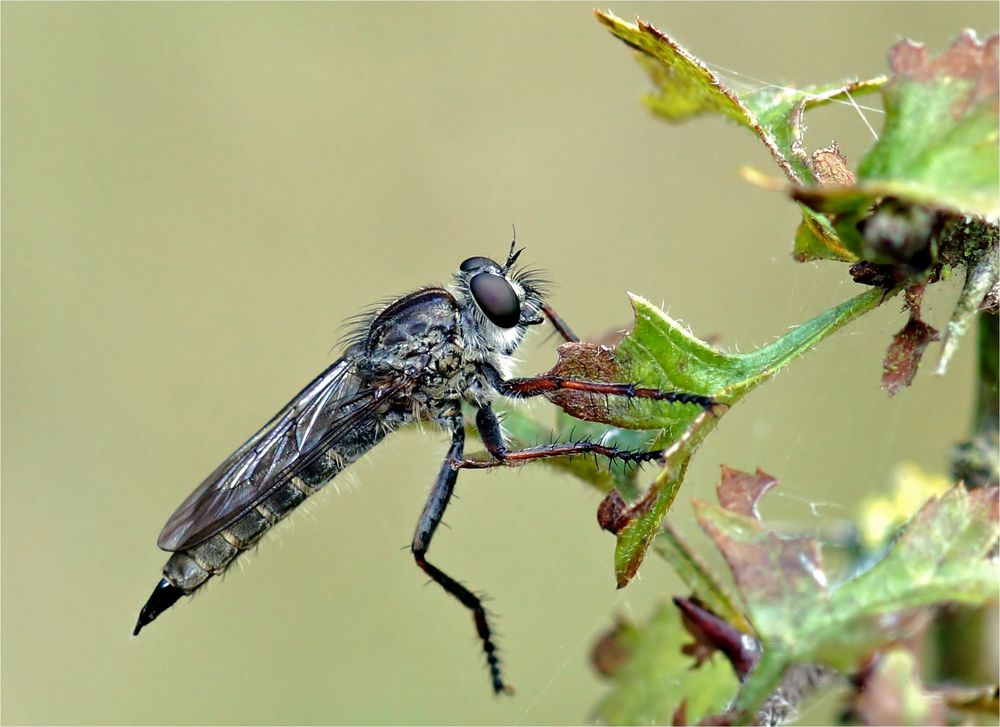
(489, 431)
(430, 518)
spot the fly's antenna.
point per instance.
(513, 255)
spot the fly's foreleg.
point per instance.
(430, 518)
(538, 385)
(560, 325)
(489, 431)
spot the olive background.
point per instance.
(195, 196)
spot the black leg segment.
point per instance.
(430, 518)
(489, 431)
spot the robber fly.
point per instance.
(417, 359)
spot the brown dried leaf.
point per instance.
(778, 575)
(679, 717)
(886, 277)
(829, 166)
(777, 570)
(967, 58)
(590, 361)
(740, 492)
(769, 568)
(612, 513)
(614, 648)
(908, 345)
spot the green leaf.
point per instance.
(659, 353)
(815, 239)
(642, 520)
(657, 677)
(939, 146)
(943, 554)
(685, 87)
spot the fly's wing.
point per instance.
(331, 406)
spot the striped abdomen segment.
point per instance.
(189, 569)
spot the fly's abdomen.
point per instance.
(189, 569)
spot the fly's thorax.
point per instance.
(406, 334)
(416, 340)
(444, 382)
(433, 364)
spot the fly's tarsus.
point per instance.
(472, 602)
(430, 519)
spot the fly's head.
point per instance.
(498, 302)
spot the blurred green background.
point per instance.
(196, 195)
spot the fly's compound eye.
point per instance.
(496, 298)
(474, 263)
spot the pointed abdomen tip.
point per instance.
(163, 597)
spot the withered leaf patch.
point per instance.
(908, 345)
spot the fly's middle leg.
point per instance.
(430, 518)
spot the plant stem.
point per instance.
(960, 636)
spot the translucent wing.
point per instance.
(331, 406)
